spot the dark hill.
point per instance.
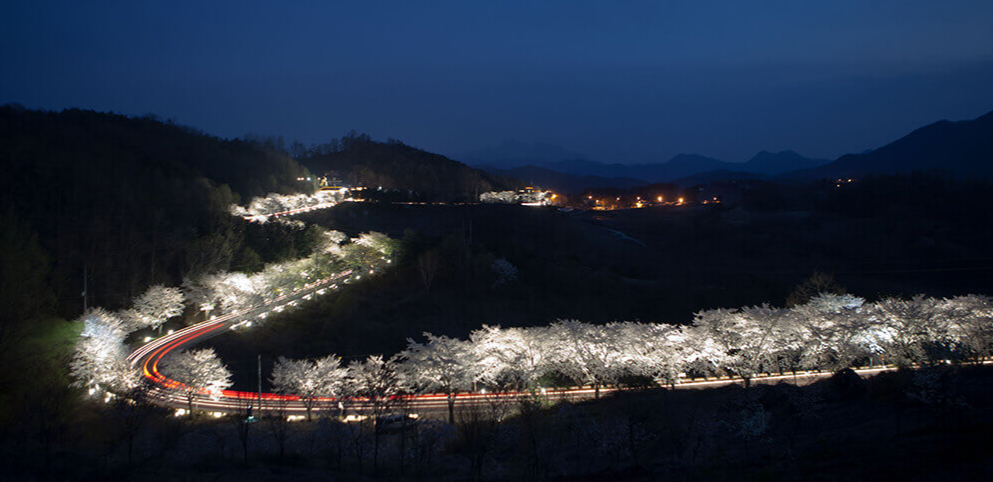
(397, 166)
(962, 149)
(111, 143)
(133, 201)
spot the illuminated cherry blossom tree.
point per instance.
(233, 291)
(835, 330)
(311, 380)
(368, 250)
(100, 356)
(200, 294)
(917, 330)
(658, 351)
(332, 243)
(154, 307)
(376, 379)
(764, 329)
(591, 354)
(516, 356)
(971, 324)
(280, 278)
(376, 241)
(738, 341)
(441, 364)
(200, 372)
(716, 338)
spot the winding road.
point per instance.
(169, 393)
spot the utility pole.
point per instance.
(260, 385)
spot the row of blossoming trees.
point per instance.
(828, 333)
(516, 197)
(260, 208)
(100, 356)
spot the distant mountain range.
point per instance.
(563, 181)
(960, 149)
(576, 174)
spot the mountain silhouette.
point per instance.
(563, 181)
(962, 149)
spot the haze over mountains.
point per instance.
(544, 165)
(959, 149)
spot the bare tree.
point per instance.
(244, 417)
(427, 266)
(476, 428)
(377, 381)
(131, 413)
(278, 423)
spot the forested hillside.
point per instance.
(392, 165)
(131, 201)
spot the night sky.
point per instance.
(619, 81)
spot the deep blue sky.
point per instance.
(621, 80)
